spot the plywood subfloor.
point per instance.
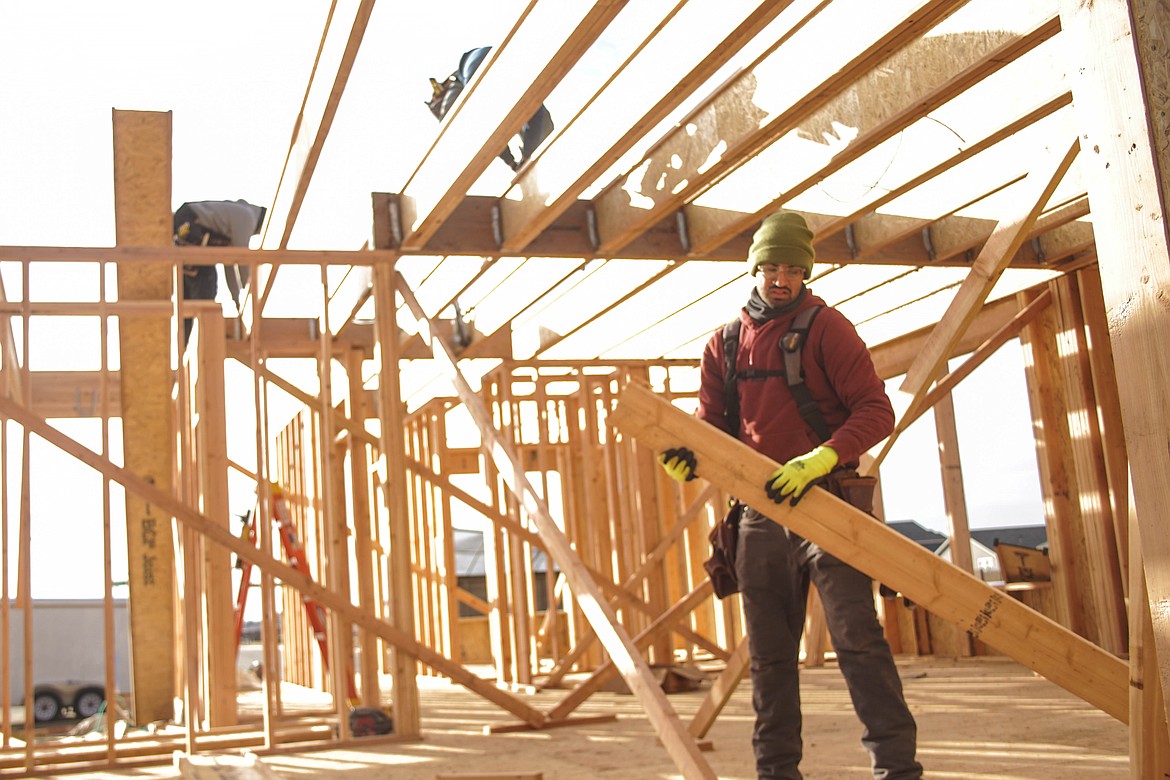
(978, 718)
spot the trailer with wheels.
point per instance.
(68, 657)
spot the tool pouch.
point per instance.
(721, 565)
(852, 488)
(857, 491)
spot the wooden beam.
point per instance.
(721, 689)
(210, 440)
(296, 337)
(313, 123)
(985, 272)
(1100, 578)
(953, 236)
(942, 388)
(586, 148)
(1110, 44)
(193, 255)
(511, 84)
(1109, 410)
(142, 217)
(1054, 458)
(894, 94)
(367, 558)
(351, 293)
(928, 171)
(469, 232)
(634, 670)
(268, 564)
(731, 128)
(310, 130)
(1149, 738)
(1063, 657)
(391, 411)
(9, 360)
(954, 500)
(73, 394)
(894, 357)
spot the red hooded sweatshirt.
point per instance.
(837, 370)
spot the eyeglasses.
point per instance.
(790, 271)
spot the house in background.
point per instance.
(983, 542)
(928, 538)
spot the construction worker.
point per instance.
(215, 223)
(773, 565)
(443, 95)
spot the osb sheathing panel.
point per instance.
(142, 204)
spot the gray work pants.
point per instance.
(774, 567)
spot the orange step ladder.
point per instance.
(294, 551)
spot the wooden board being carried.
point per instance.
(1069, 660)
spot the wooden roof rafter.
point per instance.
(310, 131)
(724, 123)
(952, 76)
(511, 84)
(589, 144)
(997, 251)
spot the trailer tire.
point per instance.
(46, 706)
(88, 702)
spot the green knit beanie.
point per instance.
(783, 239)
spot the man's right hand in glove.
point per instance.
(678, 463)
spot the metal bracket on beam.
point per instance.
(395, 223)
(497, 225)
(1038, 248)
(928, 243)
(851, 241)
(591, 227)
(684, 234)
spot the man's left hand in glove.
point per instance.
(797, 475)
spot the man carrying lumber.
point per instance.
(816, 417)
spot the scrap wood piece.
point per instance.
(551, 723)
(657, 554)
(1062, 656)
(721, 689)
(625, 658)
(223, 766)
(490, 776)
(576, 697)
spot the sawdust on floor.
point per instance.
(977, 718)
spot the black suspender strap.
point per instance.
(791, 344)
(730, 383)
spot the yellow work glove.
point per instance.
(678, 463)
(795, 476)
